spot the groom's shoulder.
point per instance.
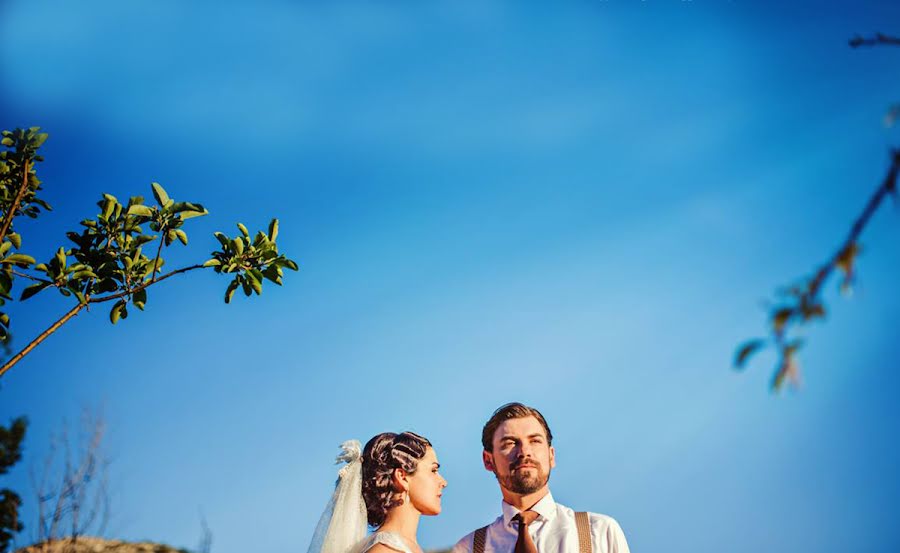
(599, 522)
(466, 543)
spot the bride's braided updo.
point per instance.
(382, 455)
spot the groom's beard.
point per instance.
(523, 482)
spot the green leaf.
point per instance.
(142, 239)
(16, 240)
(116, 312)
(232, 286)
(6, 282)
(238, 246)
(243, 230)
(745, 351)
(182, 237)
(190, 214)
(140, 210)
(108, 207)
(222, 239)
(212, 263)
(18, 258)
(271, 273)
(160, 194)
(291, 265)
(5, 247)
(780, 318)
(254, 279)
(139, 298)
(87, 273)
(78, 295)
(788, 369)
(33, 289)
(273, 230)
(61, 259)
(7, 141)
(188, 210)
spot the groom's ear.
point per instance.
(552, 457)
(488, 458)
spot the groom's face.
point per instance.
(521, 457)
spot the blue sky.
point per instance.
(579, 207)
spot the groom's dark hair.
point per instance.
(513, 410)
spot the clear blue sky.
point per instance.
(580, 207)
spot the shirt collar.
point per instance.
(545, 508)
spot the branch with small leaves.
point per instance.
(108, 261)
(802, 303)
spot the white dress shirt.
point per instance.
(554, 531)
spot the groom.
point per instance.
(517, 449)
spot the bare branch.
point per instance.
(41, 337)
(77, 484)
(878, 40)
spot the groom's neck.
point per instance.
(524, 502)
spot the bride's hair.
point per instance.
(384, 453)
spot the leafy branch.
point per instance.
(107, 261)
(802, 303)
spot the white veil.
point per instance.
(343, 524)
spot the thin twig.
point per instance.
(7, 220)
(888, 185)
(30, 277)
(140, 287)
(878, 39)
(158, 253)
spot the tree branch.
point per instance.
(31, 277)
(75, 310)
(142, 286)
(878, 40)
(41, 337)
(888, 186)
(809, 298)
(7, 220)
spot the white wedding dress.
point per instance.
(390, 539)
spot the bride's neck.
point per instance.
(403, 520)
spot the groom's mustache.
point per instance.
(523, 463)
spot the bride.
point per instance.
(388, 485)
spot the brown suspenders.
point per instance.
(582, 524)
(478, 540)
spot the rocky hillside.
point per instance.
(99, 545)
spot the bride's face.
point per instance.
(426, 485)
